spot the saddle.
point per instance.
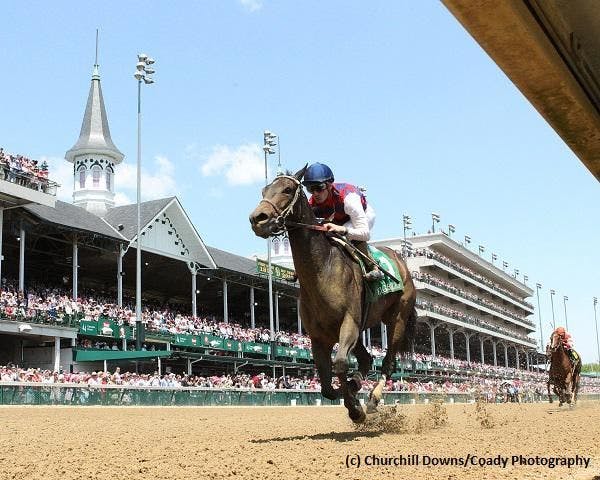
(391, 281)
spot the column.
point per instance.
(252, 316)
(159, 366)
(299, 317)
(120, 274)
(1, 229)
(384, 337)
(517, 358)
(369, 339)
(56, 354)
(276, 311)
(225, 311)
(528, 366)
(75, 266)
(482, 350)
(505, 355)
(468, 342)
(495, 356)
(194, 295)
(451, 334)
(432, 338)
(22, 258)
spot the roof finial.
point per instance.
(96, 73)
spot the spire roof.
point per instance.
(95, 134)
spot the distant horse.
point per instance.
(563, 375)
(331, 293)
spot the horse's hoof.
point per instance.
(371, 408)
(358, 415)
(354, 385)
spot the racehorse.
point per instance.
(563, 375)
(331, 293)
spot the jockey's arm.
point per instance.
(358, 226)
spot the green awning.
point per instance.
(100, 355)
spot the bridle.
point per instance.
(281, 220)
(558, 345)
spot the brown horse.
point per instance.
(331, 292)
(563, 375)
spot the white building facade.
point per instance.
(468, 309)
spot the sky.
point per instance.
(394, 96)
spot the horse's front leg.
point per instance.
(349, 333)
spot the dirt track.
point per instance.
(286, 443)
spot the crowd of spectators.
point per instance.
(490, 389)
(429, 253)
(467, 318)
(450, 287)
(25, 172)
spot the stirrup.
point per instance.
(373, 276)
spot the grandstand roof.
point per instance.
(68, 215)
(230, 261)
(126, 215)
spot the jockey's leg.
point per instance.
(371, 268)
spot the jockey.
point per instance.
(345, 210)
(567, 341)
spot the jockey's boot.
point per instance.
(372, 272)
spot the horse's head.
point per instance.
(280, 200)
(555, 342)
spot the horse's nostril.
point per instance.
(256, 219)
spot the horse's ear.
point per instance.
(300, 173)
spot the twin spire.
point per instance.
(94, 155)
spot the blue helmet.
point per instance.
(317, 173)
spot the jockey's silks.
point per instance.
(334, 205)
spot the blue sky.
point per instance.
(394, 96)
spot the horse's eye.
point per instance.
(288, 191)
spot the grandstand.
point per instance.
(467, 307)
(68, 286)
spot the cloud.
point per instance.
(158, 181)
(240, 166)
(252, 5)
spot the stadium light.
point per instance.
(435, 218)
(565, 299)
(481, 250)
(451, 229)
(538, 286)
(596, 322)
(406, 225)
(467, 239)
(552, 293)
(494, 258)
(142, 73)
(268, 148)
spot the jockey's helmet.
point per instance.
(317, 173)
(560, 330)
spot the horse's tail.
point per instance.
(410, 329)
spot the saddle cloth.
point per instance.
(386, 285)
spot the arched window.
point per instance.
(96, 171)
(276, 246)
(82, 177)
(109, 174)
(286, 245)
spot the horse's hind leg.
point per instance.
(365, 361)
(349, 333)
(322, 357)
(550, 400)
(395, 334)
